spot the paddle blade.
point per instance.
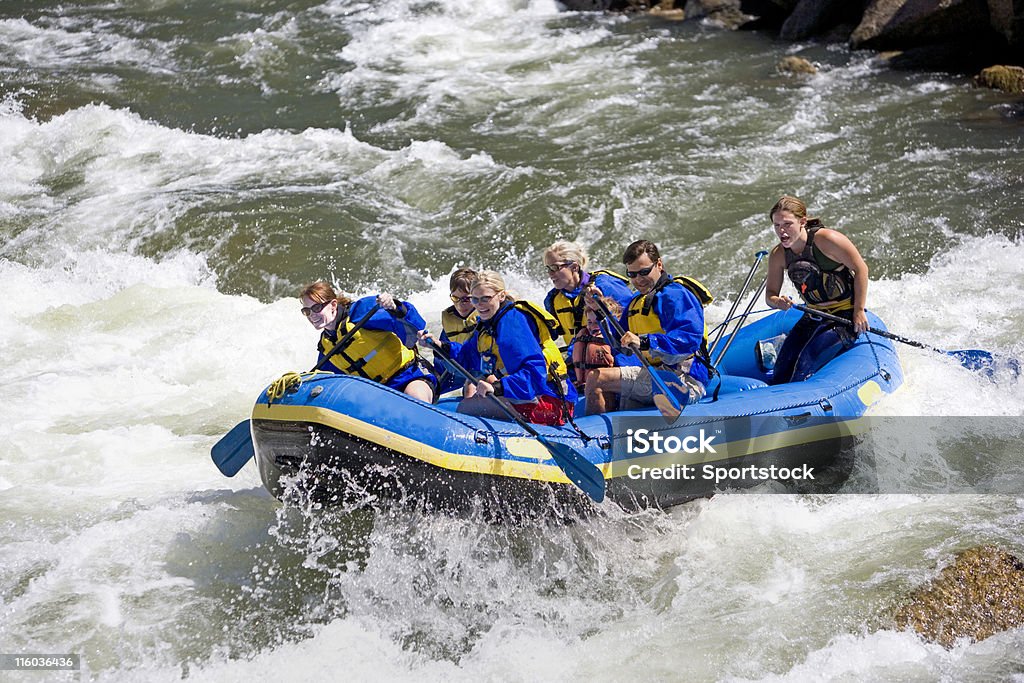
(578, 469)
(233, 450)
(984, 362)
(670, 396)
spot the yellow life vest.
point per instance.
(570, 312)
(371, 354)
(548, 329)
(457, 328)
(642, 318)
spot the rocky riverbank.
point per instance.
(957, 35)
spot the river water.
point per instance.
(173, 170)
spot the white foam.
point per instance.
(52, 47)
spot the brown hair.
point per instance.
(613, 306)
(639, 248)
(461, 279)
(321, 292)
(791, 204)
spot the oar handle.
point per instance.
(739, 325)
(343, 342)
(609, 317)
(872, 330)
(758, 257)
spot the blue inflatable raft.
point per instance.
(346, 440)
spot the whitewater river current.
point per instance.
(174, 170)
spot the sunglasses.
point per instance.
(555, 267)
(461, 299)
(643, 272)
(315, 308)
(477, 300)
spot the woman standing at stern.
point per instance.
(831, 276)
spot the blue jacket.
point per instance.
(516, 340)
(681, 332)
(382, 321)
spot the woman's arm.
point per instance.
(773, 282)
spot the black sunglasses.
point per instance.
(643, 272)
(315, 308)
(460, 299)
(555, 267)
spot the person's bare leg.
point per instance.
(420, 389)
(602, 387)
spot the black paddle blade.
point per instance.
(233, 450)
(578, 469)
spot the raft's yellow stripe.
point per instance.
(536, 471)
(411, 447)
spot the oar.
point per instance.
(742, 319)
(739, 295)
(668, 402)
(236, 448)
(972, 359)
(578, 469)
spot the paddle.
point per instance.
(758, 257)
(668, 402)
(742, 319)
(972, 359)
(578, 469)
(236, 448)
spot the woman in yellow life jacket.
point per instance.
(513, 353)
(566, 264)
(382, 350)
(458, 322)
(830, 275)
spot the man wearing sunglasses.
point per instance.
(665, 322)
(381, 350)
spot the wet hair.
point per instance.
(461, 279)
(321, 292)
(791, 204)
(639, 248)
(569, 251)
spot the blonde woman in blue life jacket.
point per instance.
(566, 265)
(382, 350)
(513, 353)
(830, 275)
(666, 320)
